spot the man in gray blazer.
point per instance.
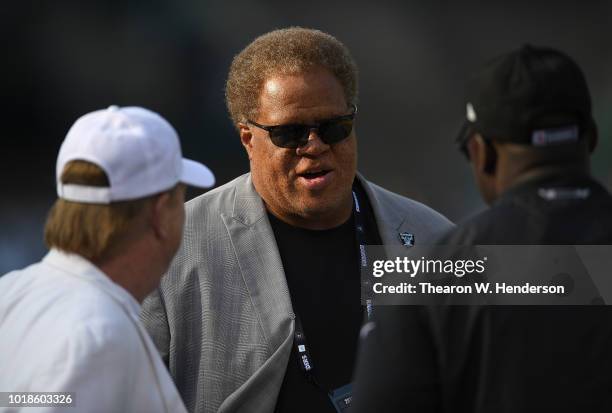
(274, 256)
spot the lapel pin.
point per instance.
(407, 239)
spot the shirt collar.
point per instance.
(77, 266)
(529, 188)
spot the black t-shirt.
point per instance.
(322, 271)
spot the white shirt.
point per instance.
(66, 327)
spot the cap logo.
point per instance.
(544, 137)
(470, 112)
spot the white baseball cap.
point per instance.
(137, 148)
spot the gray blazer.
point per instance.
(222, 317)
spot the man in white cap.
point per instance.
(69, 324)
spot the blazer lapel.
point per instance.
(389, 220)
(260, 263)
(255, 247)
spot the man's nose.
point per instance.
(315, 145)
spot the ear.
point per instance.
(483, 155)
(592, 137)
(160, 215)
(246, 137)
(490, 158)
(475, 148)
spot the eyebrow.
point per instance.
(318, 121)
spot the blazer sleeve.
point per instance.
(155, 320)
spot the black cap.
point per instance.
(535, 96)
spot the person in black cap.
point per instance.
(528, 136)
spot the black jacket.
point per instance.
(500, 359)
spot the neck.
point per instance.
(136, 270)
(317, 221)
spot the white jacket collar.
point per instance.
(77, 266)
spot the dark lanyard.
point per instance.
(301, 347)
(360, 234)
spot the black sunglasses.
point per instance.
(295, 135)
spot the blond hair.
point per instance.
(91, 230)
(285, 51)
